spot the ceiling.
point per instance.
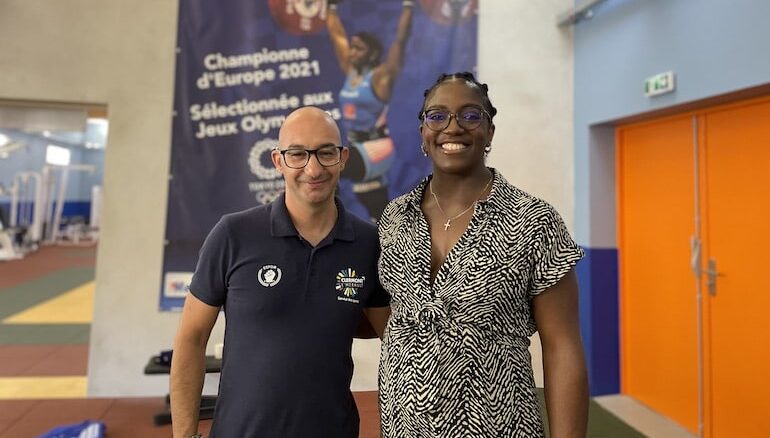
(70, 126)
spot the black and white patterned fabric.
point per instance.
(455, 359)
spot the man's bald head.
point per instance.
(304, 133)
(304, 121)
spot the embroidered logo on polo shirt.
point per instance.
(269, 275)
(348, 285)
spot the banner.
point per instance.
(242, 66)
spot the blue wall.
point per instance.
(32, 159)
(714, 47)
(597, 273)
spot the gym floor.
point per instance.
(46, 304)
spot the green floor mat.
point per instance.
(22, 296)
(601, 423)
(40, 334)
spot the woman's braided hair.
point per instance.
(481, 89)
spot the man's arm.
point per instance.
(338, 36)
(566, 381)
(378, 318)
(188, 364)
(384, 76)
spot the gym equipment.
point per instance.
(36, 213)
(57, 177)
(7, 239)
(24, 202)
(22, 232)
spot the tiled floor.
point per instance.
(46, 260)
(124, 418)
(43, 360)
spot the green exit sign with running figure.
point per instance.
(659, 84)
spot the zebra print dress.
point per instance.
(455, 359)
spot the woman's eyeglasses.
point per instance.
(297, 158)
(469, 118)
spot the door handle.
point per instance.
(711, 277)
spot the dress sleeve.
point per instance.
(209, 283)
(554, 252)
(386, 225)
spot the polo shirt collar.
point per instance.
(282, 226)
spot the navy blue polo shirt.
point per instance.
(291, 310)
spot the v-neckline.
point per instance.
(425, 230)
(465, 235)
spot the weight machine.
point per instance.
(24, 230)
(57, 177)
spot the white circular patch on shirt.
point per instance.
(269, 275)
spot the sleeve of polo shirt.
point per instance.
(554, 251)
(209, 283)
(379, 297)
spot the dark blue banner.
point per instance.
(242, 66)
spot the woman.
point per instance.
(364, 103)
(474, 267)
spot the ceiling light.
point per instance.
(96, 121)
(57, 155)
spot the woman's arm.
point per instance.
(384, 76)
(338, 36)
(566, 381)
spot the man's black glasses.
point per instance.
(297, 158)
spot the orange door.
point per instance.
(736, 236)
(656, 210)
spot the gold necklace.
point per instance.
(449, 220)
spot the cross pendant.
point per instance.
(446, 225)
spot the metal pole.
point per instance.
(698, 270)
(14, 201)
(577, 13)
(48, 182)
(36, 231)
(59, 204)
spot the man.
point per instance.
(293, 277)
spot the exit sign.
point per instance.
(659, 84)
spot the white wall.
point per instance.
(118, 53)
(121, 53)
(527, 62)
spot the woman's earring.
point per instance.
(488, 149)
(424, 152)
